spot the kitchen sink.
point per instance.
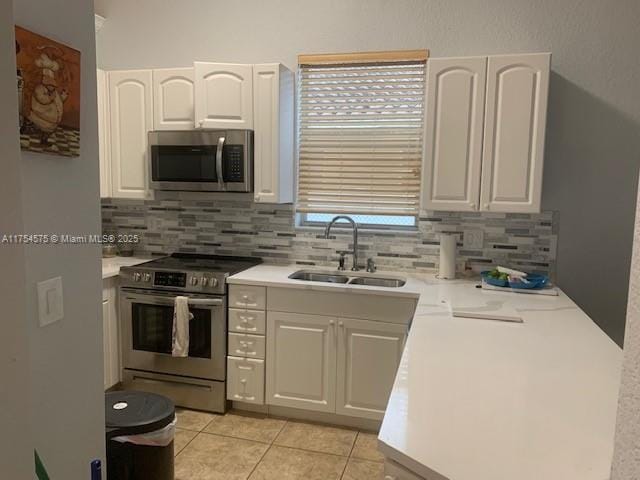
(378, 282)
(333, 277)
(319, 277)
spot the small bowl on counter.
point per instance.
(109, 251)
(534, 281)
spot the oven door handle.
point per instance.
(157, 300)
(221, 141)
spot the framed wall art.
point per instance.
(48, 95)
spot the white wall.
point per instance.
(626, 462)
(594, 113)
(60, 195)
(16, 448)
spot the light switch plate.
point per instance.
(473, 239)
(50, 303)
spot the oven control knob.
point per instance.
(204, 281)
(136, 277)
(213, 282)
(146, 277)
(194, 281)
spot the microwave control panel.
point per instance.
(233, 160)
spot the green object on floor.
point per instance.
(41, 472)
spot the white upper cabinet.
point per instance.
(517, 88)
(368, 357)
(173, 99)
(301, 361)
(103, 135)
(485, 126)
(273, 90)
(131, 118)
(223, 95)
(453, 137)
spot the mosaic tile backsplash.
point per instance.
(523, 241)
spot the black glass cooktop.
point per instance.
(201, 263)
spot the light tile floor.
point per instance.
(239, 446)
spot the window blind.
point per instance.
(360, 133)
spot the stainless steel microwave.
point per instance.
(202, 160)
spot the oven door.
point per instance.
(147, 331)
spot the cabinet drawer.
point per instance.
(241, 296)
(243, 345)
(245, 380)
(246, 321)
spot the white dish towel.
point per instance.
(181, 318)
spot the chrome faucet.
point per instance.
(354, 227)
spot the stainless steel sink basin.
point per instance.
(335, 277)
(319, 277)
(378, 282)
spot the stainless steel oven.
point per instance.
(202, 160)
(147, 328)
(147, 298)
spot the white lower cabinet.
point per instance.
(368, 356)
(245, 380)
(301, 361)
(110, 334)
(331, 364)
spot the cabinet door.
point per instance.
(131, 118)
(224, 95)
(173, 99)
(301, 361)
(453, 140)
(517, 88)
(368, 358)
(111, 335)
(245, 380)
(273, 133)
(103, 135)
(106, 335)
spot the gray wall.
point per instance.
(626, 461)
(16, 448)
(60, 195)
(594, 113)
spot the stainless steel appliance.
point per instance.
(202, 160)
(147, 295)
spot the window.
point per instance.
(360, 134)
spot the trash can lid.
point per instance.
(133, 413)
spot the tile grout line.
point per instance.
(266, 451)
(346, 464)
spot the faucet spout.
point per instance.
(354, 228)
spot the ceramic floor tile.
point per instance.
(281, 463)
(366, 447)
(182, 438)
(337, 441)
(193, 420)
(363, 470)
(256, 428)
(212, 457)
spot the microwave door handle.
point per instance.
(219, 163)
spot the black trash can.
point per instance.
(146, 421)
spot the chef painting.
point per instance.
(49, 95)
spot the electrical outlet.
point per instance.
(473, 239)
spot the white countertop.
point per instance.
(488, 400)
(111, 266)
